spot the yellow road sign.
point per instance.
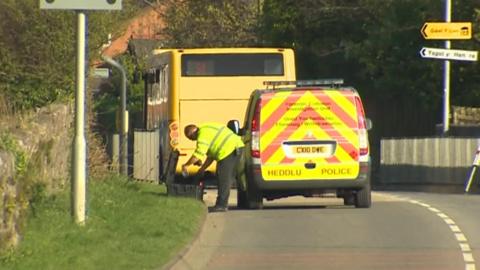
(447, 30)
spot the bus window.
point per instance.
(157, 97)
(199, 67)
(255, 64)
(273, 67)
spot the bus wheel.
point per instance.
(161, 171)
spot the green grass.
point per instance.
(129, 226)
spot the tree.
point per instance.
(375, 46)
(318, 30)
(37, 49)
(206, 23)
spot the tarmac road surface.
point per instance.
(400, 231)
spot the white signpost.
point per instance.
(448, 54)
(447, 30)
(79, 167)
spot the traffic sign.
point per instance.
(447, 54)
(101, 73)
(447, 30)
(81, 4)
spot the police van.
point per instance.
(305, 138)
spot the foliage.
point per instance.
(29, 63)
(319, 32)
(374, 45)
(129, 226)
(108, 99)
(205, 23)
(37, 50)
(9, 144)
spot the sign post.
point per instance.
(79, 168)
(447, 30)
(446, 76)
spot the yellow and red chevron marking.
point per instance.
(330, 115)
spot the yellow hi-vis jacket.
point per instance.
(216, 141)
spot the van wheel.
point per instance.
(242, 201)
(254, 198)
(363, 197)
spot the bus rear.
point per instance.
(214, 85)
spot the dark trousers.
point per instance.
(226, 170)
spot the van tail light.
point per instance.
(362, 127)
(255, 151)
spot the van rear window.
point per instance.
(245, 64)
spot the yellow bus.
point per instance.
(192, 86)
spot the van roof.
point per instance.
(296, 88)
(317, 82)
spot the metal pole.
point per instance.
(446, 76)
(475, 165)
(470, 178)
(123, 159)
(79, 147)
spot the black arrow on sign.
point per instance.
(424, 34)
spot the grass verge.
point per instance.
(129, 226)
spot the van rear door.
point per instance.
(309, 134)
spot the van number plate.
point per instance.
(309, 150)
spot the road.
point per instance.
(400, 231)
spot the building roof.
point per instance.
(141, 48)
(146, 26)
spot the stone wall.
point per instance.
(468, 116)
(43, 138)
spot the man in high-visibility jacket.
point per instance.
(216, 142)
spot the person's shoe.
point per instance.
(218, 208)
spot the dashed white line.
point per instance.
(449, 221)
(461, 239)
(468, 257)
(442, 215)
(424, 205)
(455, 228)
(465, 247)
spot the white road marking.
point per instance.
(465, 247)
(455, 228)
(449, 221)
(468, 257)
(442, 215)
(461, 239)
